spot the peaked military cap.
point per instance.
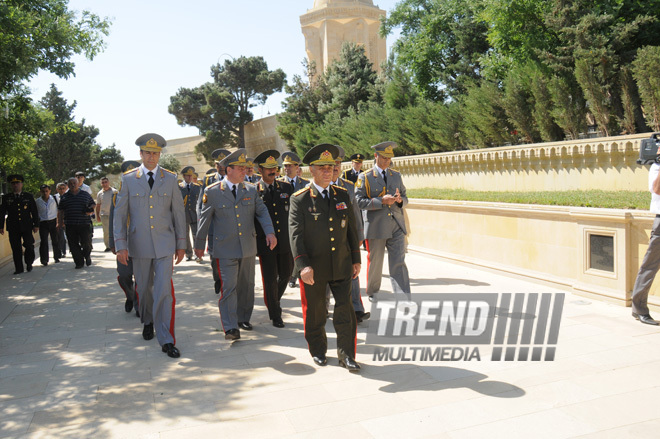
(219, 155)
(250, 161)
(15, 178)
(44, 186)
(236, 158)
(357, 157)
(323, 154)
(341, 155)
(188, 170)
(129, 164)
(290, 158)
(79, 174)
(268, 159)
(385, 149)
(151, 142)
(211, 171)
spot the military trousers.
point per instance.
(189, 248)
(125, 280)
(155, 289)
(356, 298)
(396, 254)
(276, 269)
(647, 271)
(343, 317)
(19, 240)
(235, 276)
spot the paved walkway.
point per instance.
(74, 364)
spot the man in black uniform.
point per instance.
(22, 221)
(190, 192)
(276, 264)
(353, 173)
(326, 251)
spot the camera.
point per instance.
(648, 150)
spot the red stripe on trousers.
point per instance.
(303, 302)
(172, 319)
(263, 282)
(122, 288)
(368, 260)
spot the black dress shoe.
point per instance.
(349, 364)
(148, 331)
(79, 266)
(292, 283)
(29, 268)
(232, 334)
(128, 306)
(137, 312)
(171, 351)
(18, 272)
(645, 318)
(57, 261)
(371, 298)
(45, 264)
(106, 250)
(188, 258)
(88, 261)
(320, 360)
(357, 317)
(245, 325)
(278, 323)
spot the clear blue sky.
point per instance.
(156, 47)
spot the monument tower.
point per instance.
(331, 22)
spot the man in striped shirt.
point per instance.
(75, 209)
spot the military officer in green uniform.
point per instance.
(276, 264)
(22, 222)
(356, 169)
(190, 192)
(325, 247)
(381, 194)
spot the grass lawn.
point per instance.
(608, 199)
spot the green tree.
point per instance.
(221, 109)
(646, 70)
(68, 146)
(168, 161)
(38, 35)
(442, 42)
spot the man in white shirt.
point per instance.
(651, 262)
(47, 208)
(103, 204)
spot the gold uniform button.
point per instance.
(235, 207)
(389, 214)
(275, 213)
(240, 234)
(151, 196)
(152, 217)
(151, 207)
(237, 215)
(152, 227)
(332, 239)
(274, 204)
(333, 249)
(277, 222)
(239, 224)
(330, 218)
(278, 230)
(331, 229)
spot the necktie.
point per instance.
(233, 190)
(189, 189)
(326, 196)
(271, 189)
(293, 182)
(250, 179)
(385, 177)
(151, 179)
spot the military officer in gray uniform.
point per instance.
(381, 195)
(231, 206)
(218, 155)
(190, 192)
(356, 298)
(150, 199)
(324, 242)
(250, 175)
(124, 272)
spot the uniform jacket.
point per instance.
(157, 225)
(300, 182)
(190, 200)
(369, 190)
(350, 175)
(208, 181)
(350, 188)
(255, 178)
(234, 234)
(278, 208)
(323, 237)
(22, 213)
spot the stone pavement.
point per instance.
(74, 364)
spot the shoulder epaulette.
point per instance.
(214, 184)
(196, 183)
(339, 187)
(167, 170)
(301, 191)
(182, 185)
(394, 170)
(348, 182)
(131, 170)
